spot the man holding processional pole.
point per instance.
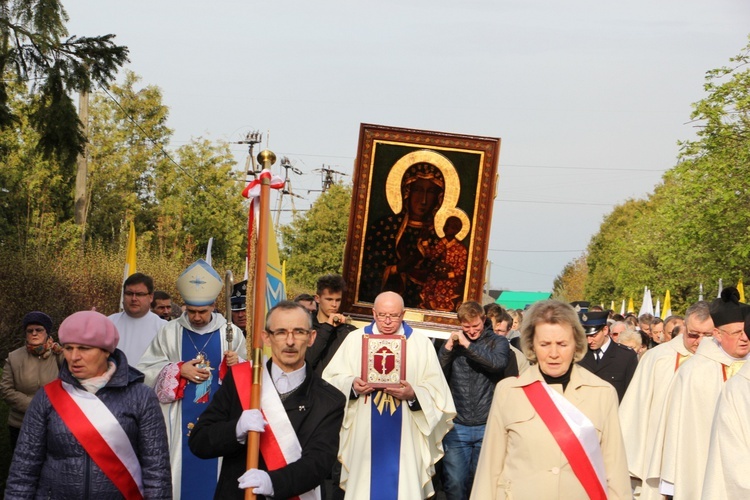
(277, 429)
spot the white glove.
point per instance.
(250, 420)
(257, 479)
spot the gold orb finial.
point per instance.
(266, 158)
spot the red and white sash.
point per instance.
(100, 434)
(575, 434)
(279, 444)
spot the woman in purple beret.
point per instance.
(96, 431)
(29, 368)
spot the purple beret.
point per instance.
(37, 318)
(89, 328)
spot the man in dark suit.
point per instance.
(606, 359)
(297, 405)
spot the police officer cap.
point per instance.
(580, 305)
(594, 321)
(239, 296)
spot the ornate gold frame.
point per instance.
(469, 167)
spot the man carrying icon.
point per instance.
(391, 437)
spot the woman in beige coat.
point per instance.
(28, 368)
(520, 457)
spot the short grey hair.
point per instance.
(552, 312)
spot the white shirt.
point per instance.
(287, 382)
(136, 333)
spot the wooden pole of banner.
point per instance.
(266, 158)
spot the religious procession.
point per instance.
(263, 397)
(359, 351)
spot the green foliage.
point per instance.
(313, 244)
(125, 153)
(693, 229)
(34, 47)
(569, 285)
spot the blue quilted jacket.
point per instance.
(50, 463)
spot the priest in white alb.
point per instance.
(727, 475)
(644, 400)
(392, 437)
(688, 414)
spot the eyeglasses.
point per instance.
(140, 295)
(386, 316)
(732, 334)
(297, 333)
(697, 335)
(39, 330)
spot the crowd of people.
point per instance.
(556, 401)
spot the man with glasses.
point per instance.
(136, 323)
(644, 400)
(391, 437)
(692, 398)
(615, 329)
(726, 472)
(298, 406)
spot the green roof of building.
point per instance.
(510, 299)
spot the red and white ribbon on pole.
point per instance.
(252, 192)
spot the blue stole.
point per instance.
(385, 439)
(199, 475)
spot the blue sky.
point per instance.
(588, 97)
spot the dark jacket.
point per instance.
(472, 374)
(616, 367)
(315, 410)
(49, 462)
(327, 342)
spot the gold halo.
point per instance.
(393, 181)
(442, 215)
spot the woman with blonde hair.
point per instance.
(553, 432)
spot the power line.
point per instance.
(559, 203)
(599, 169)
(153, 141)
(534, 251)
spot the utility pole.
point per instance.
(287, 189)
(251, 139)
(83, 167)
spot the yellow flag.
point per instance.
(741, 289)
(667, 309)
(130, 253)
(129, 263)
(275, 286)
(631, 307)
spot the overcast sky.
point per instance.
(588, 97)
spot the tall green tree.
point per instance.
(570, 284)
(313, 244)
(694, 228)
(35, 46)
(128, 138)
(197, 199)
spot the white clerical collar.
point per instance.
(606, 345)
(746, 357)
(399, 332)
(287, 382)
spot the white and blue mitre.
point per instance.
(199, 284)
